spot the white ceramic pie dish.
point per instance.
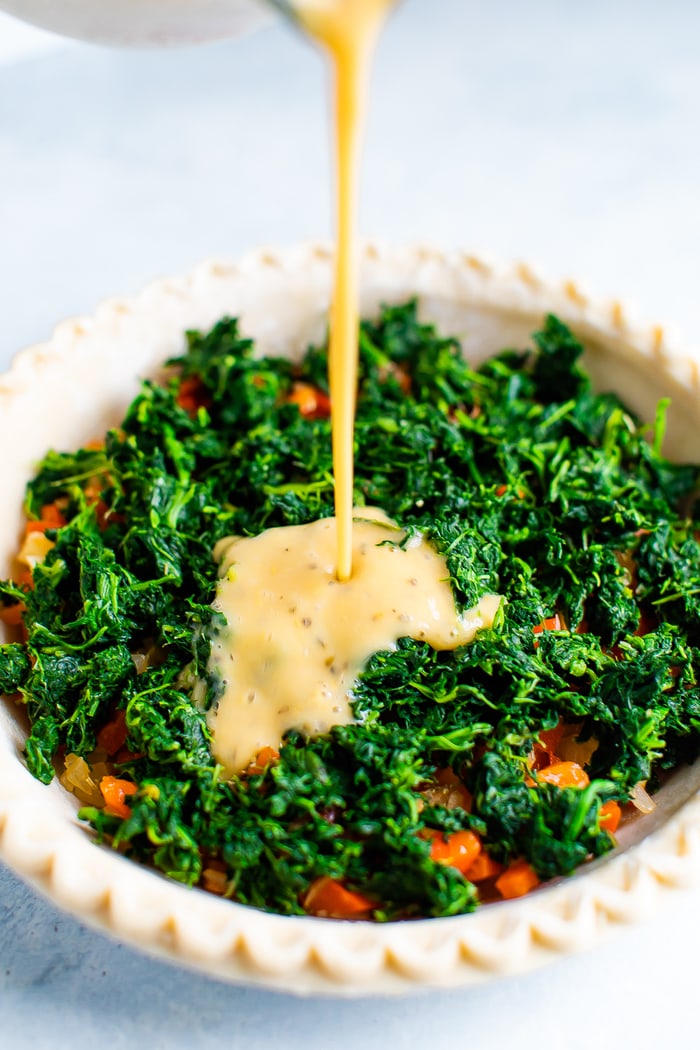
(68, 390)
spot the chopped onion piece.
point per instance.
(34, 549)
(77, 778)
(140, 661)
(641, 798)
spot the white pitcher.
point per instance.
(145, 23)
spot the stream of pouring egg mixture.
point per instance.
(348, 31)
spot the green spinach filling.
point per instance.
(531, 485)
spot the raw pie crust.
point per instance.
(68, 390)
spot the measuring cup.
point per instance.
(147, 23)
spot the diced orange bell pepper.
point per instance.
(311, 402)
(215, 878)
(517, 880)
(192, 395)
(550, 623)
(24, 577)
(549, 739)
(544, 752)
(565, 774)
(114, 792)
(609, 816)
(113, 735)
(459, 850)
(11, 615)
(329, 898)
(50, 517)
(484, 867)
(502, 489)
(264, 758)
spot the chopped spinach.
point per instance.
(532, 487)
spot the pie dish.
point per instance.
(65, 392)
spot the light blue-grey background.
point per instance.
(566, 134)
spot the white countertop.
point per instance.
(561, 133)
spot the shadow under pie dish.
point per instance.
(63, 394)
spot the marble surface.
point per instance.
(565, 134)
